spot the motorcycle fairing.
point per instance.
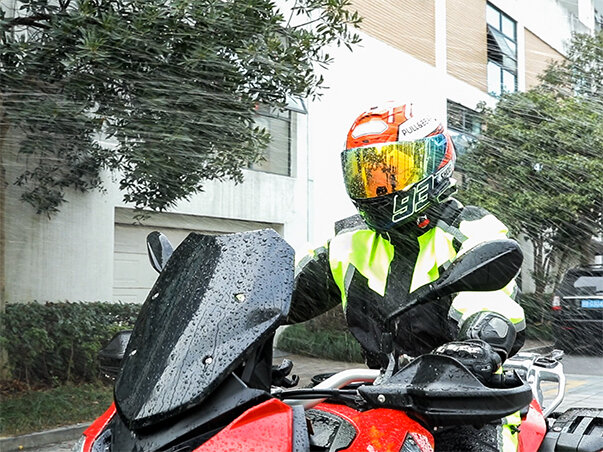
(217, 298)
(195, 426)
(95, 429)
(533, 429)
(267, 427)
(377, 429)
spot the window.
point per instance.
(502, 52)
(464, 126)
(277, 155)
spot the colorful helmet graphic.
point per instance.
(396, 164)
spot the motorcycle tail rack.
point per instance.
(535, 369)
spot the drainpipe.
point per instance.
(3, 185)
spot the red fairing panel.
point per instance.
(97, 427)
(381, 429)
(532, 429)
(267, 427)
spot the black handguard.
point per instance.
(476, 355)
(491, 327)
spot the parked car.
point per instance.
(578, 310)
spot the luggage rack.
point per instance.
(535, 368)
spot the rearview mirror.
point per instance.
(111, 355)
(485, 267)
(488, 266)
(160, 249)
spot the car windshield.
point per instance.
(584, 283)
(590, 283)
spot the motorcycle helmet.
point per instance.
(396, 163)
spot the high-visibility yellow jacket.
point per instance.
(372, 274)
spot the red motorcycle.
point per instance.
(196, 373)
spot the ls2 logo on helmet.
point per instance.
(415, 200)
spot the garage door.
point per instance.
(133, 275)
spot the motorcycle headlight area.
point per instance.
(79, 446)
(103, 442)
(410, 445)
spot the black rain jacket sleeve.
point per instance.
(314, 289)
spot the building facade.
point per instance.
(94, 249)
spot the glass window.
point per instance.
(277, 155)
(464, 125)
(508, 26)
(502, 52)
(508, 81)
(494, 79)
(590, 282)
(492, 16)
(582, 282)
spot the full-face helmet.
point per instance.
(397, 163)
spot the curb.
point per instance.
(41, 439)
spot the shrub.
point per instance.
(326, 336)
(331, 321)
(55, 343)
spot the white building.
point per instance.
(449, 52)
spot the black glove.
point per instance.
(475, 355)
(492, 328)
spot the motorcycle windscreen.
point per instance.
(215, 299)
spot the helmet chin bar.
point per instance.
(443, 192)
(385, 213)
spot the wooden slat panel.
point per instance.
(538, 56)
(408, 25)
(466, 40)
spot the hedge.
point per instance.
(326, 336)
(56, 343)
(335, 345)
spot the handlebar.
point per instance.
(336, 381)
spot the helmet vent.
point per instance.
(369, 128)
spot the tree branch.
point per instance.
(31, 21)
(64, 4)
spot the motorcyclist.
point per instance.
(397, 168)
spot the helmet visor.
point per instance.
(373, 171)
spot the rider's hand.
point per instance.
(475, 355)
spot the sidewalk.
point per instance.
(62, 439)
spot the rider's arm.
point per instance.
(314, 290)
